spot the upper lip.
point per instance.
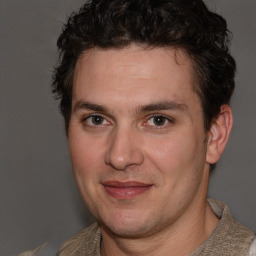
(126, 184)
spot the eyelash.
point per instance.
(86, 118)
(166, 119)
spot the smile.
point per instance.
(125, 190)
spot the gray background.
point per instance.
(38, 197)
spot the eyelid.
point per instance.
(90, 115)
(106, 119)
(171, 119)
(168, 118)
(162, 115)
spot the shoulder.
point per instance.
(253, 248)
(86, 241)
(228, 223)
(41, 249)
(229, 238)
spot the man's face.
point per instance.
(137, 139)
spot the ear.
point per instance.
(218, 134)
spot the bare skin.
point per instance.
(140, 152)
(182, 240)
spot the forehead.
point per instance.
(134, 71)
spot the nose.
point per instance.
(124, 150)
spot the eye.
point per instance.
(158, 120)
(95, 120)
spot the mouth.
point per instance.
(125, 190)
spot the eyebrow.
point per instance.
(87, 105)
(156, 106)
(166, 105)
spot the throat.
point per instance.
(182, 239)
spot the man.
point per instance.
(145, 88)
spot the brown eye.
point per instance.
(97, 120)
(159, 120)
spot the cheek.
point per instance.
(86, 154)
(179, 159)
(172, 151)
(87, 161)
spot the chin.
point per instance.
(127, 225)
(127, 231)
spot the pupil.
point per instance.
(97, 119)
(159, 120)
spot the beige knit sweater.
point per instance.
(228, 239)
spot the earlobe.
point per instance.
(219, 134)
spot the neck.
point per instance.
(182, 239)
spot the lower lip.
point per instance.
(126, 192)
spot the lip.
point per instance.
(125, 190)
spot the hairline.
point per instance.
(197, 83)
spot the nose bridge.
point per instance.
(124, 149)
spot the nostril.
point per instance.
(124, 150)
(121, 162)
(117, 161)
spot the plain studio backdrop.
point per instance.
(38, 196)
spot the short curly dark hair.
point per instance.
(186, 24)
